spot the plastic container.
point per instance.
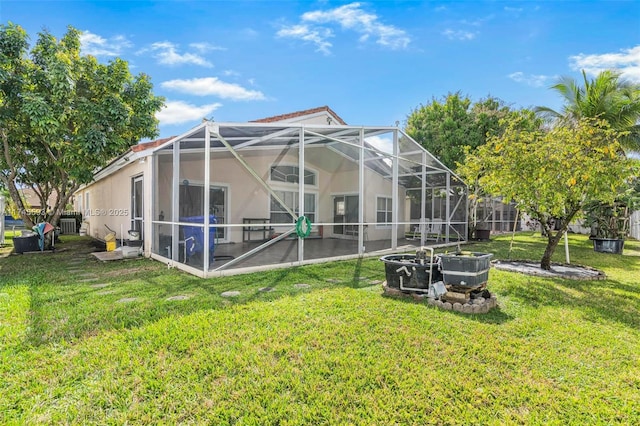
(111, 245)
(403, 269)
(26, 244)
(467, 270)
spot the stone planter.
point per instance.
(608, 245)
(466, 270)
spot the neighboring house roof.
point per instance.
(299, 114)
(153, 144)
(33, 201)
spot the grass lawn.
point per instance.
(87, 342)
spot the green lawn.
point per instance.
(556, 352)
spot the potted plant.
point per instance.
(609, 222)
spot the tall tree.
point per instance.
(552, 174)
(448, 127)
(606, 97)
(63, 115)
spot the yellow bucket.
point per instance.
(111, 245)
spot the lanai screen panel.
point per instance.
(231, 197)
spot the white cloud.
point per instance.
(304, 32)
(627, 61)
(167, 53)
(93, 44)
(178, 112)
(204, 47)
(459, 34)
(315, 28)
(532, 79)
(213, 86)
(384, 144)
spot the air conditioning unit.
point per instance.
(68, 226)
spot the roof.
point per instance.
(153, 144)
(302, 113)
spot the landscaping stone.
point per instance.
(432, 302)
(299, 286)
(101, 285)
(457, 307)
(418, 296)
(375, 282)
(232, 293)
(266, 289)
(178, 297)
(127, 300)
(573, 272)
(478, 301)
(476, 309)
(447, 306)
(467, 309)
(333, 280)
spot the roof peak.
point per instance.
(302, 113)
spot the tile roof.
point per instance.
(297, 114)
(153, 144)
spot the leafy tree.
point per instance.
(447, 127)
(606, 97)
(63, 115)
(552, 174)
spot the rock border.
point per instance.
(478, 305)
(528, 267)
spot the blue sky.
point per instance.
(371, 62)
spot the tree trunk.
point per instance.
(553, 240)
(15, 196)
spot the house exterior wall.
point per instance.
(110, 201)
(247, 198)
(634, 225)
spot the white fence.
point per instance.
(634, 225)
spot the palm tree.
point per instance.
(606, 97)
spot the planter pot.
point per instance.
(482, 234)
(26, 244)
(608, 245)
(467, 270)
(403, 271)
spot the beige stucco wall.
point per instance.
(110, 201)
(247, 198)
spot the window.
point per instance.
(291, 174)
(280, 215)
(383, 210)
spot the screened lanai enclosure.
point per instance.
(230, 197)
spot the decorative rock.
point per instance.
(127, 300)
(102, 285)
(178, 297)
(375, 282)
(265, 289)
(478, 301)
(417, 296)
(392, 292)
(457, 307)
(476, 309)
(431, 301)
(484, 308)
(333, 280)
(447, 306)
(467, 309)
(301, 285)
(439, 303)
(231, 293)
(491, 303)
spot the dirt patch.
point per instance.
(558, 270)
